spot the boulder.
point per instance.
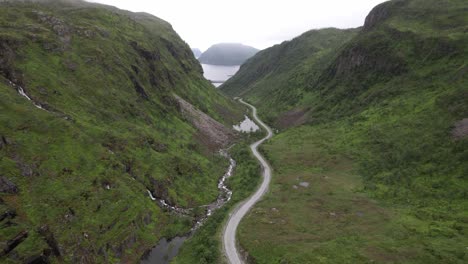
(6, 186)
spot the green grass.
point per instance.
(281, 72)
(338, 218)
(376, 136)
(205, 245)
(111, 132)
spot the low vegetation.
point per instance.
(205, 245)
(110, 129)
(372, 133)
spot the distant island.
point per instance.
(227, 54)
(196, 52)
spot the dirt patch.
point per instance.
(292, 118)
(460, 129)
(229, 116)
(211, 132)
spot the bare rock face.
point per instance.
(6, 186)
(360, 58)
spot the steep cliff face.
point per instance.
(90, 122)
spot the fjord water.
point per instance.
(218, 74)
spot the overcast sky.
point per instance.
(258, 23)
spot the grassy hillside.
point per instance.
(282, 72)
(382, 144)
(74, 175)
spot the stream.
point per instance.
(167, 249)
(21, 91)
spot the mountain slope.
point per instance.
(371, 164)
(281, 72)
(227, 54)
(196, 52)
(100, 126)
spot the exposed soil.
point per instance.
(460, 129)
(292, 118)
(212, 132)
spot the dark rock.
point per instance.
(14, 242)
(8, 223)
(8, 214)
(135, 69)
(37, 259)
(157, 146)
(158, 189)
(139, 88)
(3, 142)
(45, 232)
(6, 186)
(147, 55)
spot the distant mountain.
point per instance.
(227, 54)
(196, 52)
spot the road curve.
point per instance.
(229, 235)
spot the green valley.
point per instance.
(370, 163)
(111, 138)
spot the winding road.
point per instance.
(229, 235)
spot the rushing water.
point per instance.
(218, 74)
(246, 126)
(23, 93)
(166, 250)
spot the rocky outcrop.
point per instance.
(139, 89)
(6, 186)
(49, 237)
(3, 142)
(360, 58)
(59, 27)
(8, 214)
(37, 259)
(158, 190)
(13, 243)
(381, 13)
